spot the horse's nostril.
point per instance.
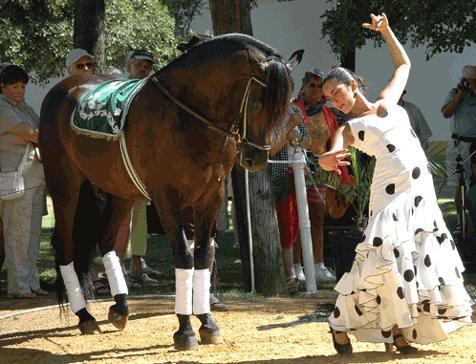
(248, 162)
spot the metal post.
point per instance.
(250, 235)
(297, 156)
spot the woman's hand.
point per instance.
(331, 161)
(379, 23)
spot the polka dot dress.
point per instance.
(407, 271)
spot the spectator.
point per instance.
(21, 216)
(79, 61)
(417, 121)
(311, 102)
(460, 105)
(139, 65)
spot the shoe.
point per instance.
(404, 349)
(299, 273)
(142, 278)
(21, 295)
(148, 270)
(323, 273)
(40, 292)
(216, 304)
(342, 349)
(292, 285)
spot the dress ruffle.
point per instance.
(407, 272)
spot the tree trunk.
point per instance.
(347, 60)
(228, 17)
(89, 29)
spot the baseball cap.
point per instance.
(316, 71)
(469, 72)
(140, 54)
(76, 54)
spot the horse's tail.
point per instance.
(87, 233)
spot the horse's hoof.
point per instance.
(118, 320)
(185, 342)
(210, 337)
(89, 327)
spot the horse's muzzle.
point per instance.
(252, 158)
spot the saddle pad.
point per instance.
(102, 111)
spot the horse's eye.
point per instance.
(256, 106)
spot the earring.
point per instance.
(355, 95)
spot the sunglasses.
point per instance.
(81, 66)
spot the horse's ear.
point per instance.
(295, 59)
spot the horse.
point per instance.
(222, 100)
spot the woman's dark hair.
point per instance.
(12, 74)
(345, 76)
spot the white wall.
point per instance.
(288, 26)
(35, 94)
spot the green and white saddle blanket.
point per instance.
(102, 111)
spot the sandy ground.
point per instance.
(277, 330)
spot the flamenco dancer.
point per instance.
(405, 284)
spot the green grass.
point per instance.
(159, 257)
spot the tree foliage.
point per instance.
(440, 26)
(39, 33)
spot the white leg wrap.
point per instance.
(114, 273)
(183, 291)
(73, 289)
(201, 291)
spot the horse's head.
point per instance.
(264, 105)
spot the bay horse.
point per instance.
(185, 127)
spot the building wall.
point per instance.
(290, 25)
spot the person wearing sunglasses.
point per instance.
(79, 61)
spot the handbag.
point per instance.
(12, 185)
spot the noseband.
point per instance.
(234, 131)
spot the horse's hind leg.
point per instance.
(204, 255)
(64, 181)
(117, 209)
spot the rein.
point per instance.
(234, 130)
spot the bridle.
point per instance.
(234, 131)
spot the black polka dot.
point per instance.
(419, 230)
(417, 284)
(361, 135)
(336, 312)
(441, 311)
(395, 218)
(412, 211)
(396, 252)
(426, 307)
(400, 293)
(413, 133)
(444, 236)
(371, 212)
(427, 260)
(408, 275)
(436, 226)
(386, 334)
(378, 299)
(414, 334)
(414, 268)
(357, 309)
(418, 200)
(416, 172)
(457, 273)
(390, 189)
(440, 239)
(391, 148)
(377, 241)
(453, 246)
(441, 280)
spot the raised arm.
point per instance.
(394, 88)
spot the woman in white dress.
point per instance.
(405, 284)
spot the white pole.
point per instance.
(297, 156)
(250, 235)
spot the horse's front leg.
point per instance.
(204, 255)
(166, 203)
(117, 209)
